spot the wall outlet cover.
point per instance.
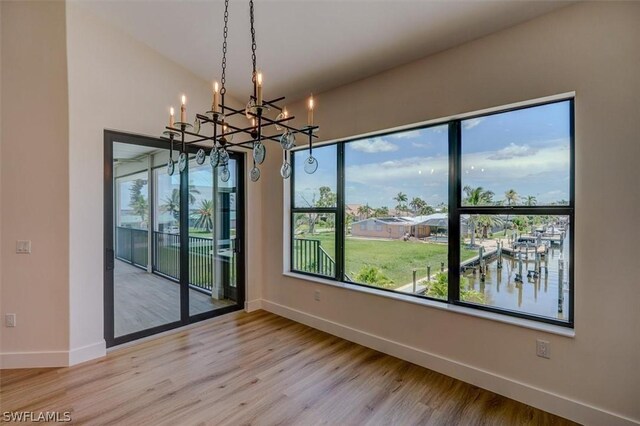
(23, 247)
(543, 348)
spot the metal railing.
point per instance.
(310, 256)
(166, 259)
(132, 246)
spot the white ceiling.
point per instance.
(125, 151)
(310, 45)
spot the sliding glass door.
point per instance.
(172, 242)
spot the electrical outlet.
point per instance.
(10, 320)
(23, 246)
(543, 348)
(316, 295)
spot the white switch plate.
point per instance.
(543, 348)
(10, 320)
(23, 246)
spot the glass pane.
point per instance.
(146, 269)
(396, 212)
(517, 158)
(212, 213)
(132, 217)
(314, 243)
(317, 189)
(166, 235)
(524, 266)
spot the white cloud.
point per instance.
(421, 144)
(513, 150)
(406, 135)
(472, 122)
(374, 145)
(415, 171)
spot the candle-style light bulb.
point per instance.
(216, 93)
(171, 116)
(183, 110)
(259, 91)
(285, 113)
(310, 112)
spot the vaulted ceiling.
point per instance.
(310, 45)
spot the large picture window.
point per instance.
(476, 212)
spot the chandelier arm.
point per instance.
(272, 103)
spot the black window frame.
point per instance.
(455, 211)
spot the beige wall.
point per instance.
(590, 48)
(34, 180)
(114, 83)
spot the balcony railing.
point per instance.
(310, 256)
(132, 247)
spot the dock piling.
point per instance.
(414, 280)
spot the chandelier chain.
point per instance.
(253, 41)
(225, 33)
(178, 132)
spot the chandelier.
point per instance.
(259, 128)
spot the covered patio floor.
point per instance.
(143, 300)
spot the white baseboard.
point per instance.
(34, 359)
(50, 359)
(87, 353)
(527, 394)
(253, 305)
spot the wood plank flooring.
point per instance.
(143, 300)
(260, 369)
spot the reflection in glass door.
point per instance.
(213, 243)
(146, 288)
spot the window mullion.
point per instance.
(454, 214)
(340, 214)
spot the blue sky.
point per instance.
(527, 150)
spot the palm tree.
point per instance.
(511, 197)
(486, 222)
(426, 210)
(530, 201)
(381, 212)
(417, 204)
(205, 215)
(172, 202)
(364, 211)
(476, 197)
(137, 201)
(401, 199)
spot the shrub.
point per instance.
(438, 288)
(373, 276)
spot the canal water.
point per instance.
(536, 296)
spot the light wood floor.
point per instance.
(143, 300)
(260, 369)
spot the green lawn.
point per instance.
(396, 259)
